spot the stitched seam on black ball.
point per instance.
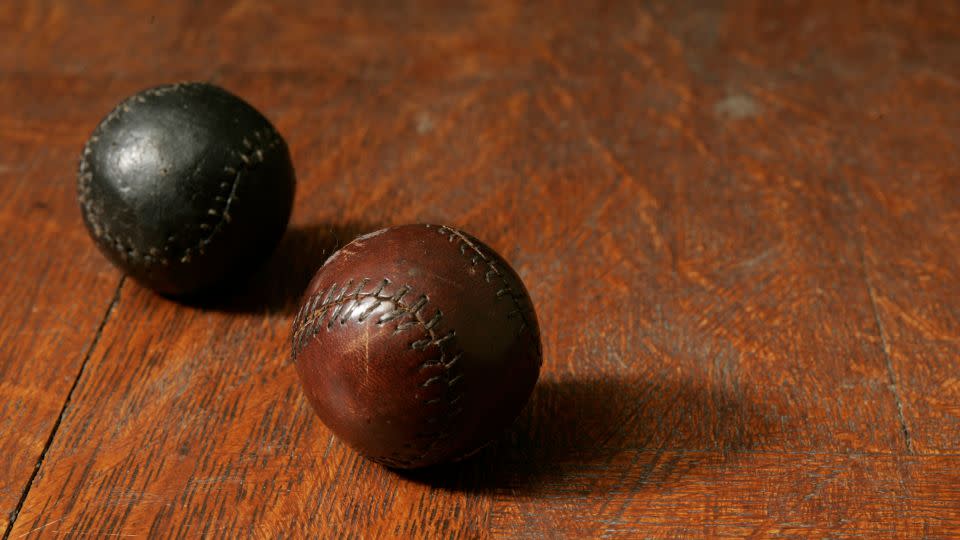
(334, 307)
(228, 195)
(85, 176)
(264, 142)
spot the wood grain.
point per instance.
(737, 222)
(54, 290)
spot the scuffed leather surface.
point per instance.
(183, 186)
(416, 344)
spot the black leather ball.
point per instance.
(185, 186)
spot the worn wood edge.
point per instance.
(12, 518)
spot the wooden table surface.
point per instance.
(739, 222)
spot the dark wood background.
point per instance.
(738, 221)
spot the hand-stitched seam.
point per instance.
(228, 190)
(85, 176)
(247, 159)
(334, 306)
(521, 304)
(477, 256)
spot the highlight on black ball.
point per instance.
(185, 186)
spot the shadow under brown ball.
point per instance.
(416, 345)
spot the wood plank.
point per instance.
(723, 251)
(55, 288)
(737, 495)
(909, 215)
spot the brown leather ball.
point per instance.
(416, 345)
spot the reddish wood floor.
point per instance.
(739, 222)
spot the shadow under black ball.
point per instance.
(185, 186)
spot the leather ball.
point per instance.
(185, 186)
(416, 345)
